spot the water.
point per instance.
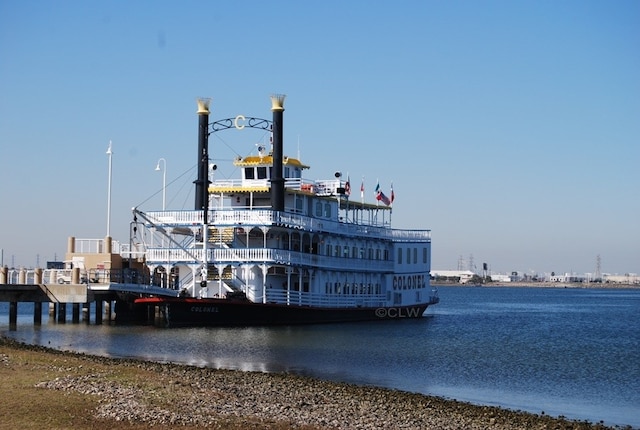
(569, 352)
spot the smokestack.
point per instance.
(202, 183)
(277, 179)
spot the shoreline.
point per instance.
(131, 394)
(580, 285)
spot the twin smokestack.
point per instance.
(277, 179)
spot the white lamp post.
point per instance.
(164, 180)
(110, 154)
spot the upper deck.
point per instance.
(265, 217)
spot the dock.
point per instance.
(69, 289)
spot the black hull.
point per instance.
(189, 312)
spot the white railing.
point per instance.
(323, 300)
(95, 246)
(268, 217)
(261, 255)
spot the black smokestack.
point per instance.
(202, 183)
(277, 179)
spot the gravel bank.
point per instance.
(177, 395)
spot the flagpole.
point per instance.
(348, 194)
(110, 154)
(362, 200)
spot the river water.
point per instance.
(569, 352)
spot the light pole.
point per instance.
(164, 180)
(110, 154)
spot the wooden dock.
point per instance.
(80, 295)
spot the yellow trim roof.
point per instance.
(267, 160)
(238, 189)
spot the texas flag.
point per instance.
(380, 195)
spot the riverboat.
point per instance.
(272, 247)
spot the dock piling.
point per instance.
(37, 313)
(13, 316)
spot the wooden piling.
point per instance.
(75, 313)
(37, 306)
(98, 311)
(13, 316)
(62, 313)
(37, 313)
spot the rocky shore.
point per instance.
(145, 394)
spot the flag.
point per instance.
(380, 195)
(393, 196)
(383, 198)
(347, 187)
(362, 190)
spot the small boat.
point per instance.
(272, 247)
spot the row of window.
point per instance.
(345, 251)
(410, 255)
(352, 288)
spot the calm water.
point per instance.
(571, 352)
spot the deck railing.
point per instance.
(302, 298)
(258, 217)
(274, 256)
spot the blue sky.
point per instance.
(511, 129)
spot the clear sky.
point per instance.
(509, 128)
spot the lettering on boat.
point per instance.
(208, 309)
(238, 122)
(408, 282)
(398, 312)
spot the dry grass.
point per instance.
(23, 405)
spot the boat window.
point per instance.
(318, 209)
(424, 255)
(327, 210)
(399, 255)
(346, 251)
(354, 252)
(262, 172)
(415, 255)
(286, 172)
(337, 251)
(249, 173)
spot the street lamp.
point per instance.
(164, 180)
(110, 154)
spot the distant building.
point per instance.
(55, 264)
(567, 277)
(460, 276)
(628, 278)
(501, 278)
